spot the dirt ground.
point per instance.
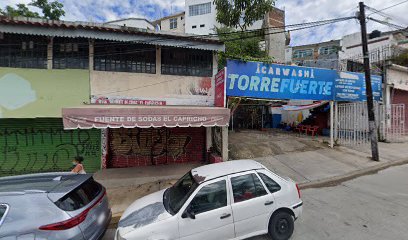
(247, 144)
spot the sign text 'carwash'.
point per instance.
(274, 81)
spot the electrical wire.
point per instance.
(262, 34)
(386, 8)
(398, 27)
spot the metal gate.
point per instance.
(351, 123)
(394, 124)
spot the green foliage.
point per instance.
(19, 10)
(242, 13)
(50, 10)
(242, 46)
(402, 59)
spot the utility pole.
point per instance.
(369, 91)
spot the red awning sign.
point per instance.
(108, 116)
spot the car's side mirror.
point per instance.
(188, 213)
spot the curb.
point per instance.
(334, 181)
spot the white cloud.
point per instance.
(297, 11)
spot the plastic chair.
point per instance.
(313, 130)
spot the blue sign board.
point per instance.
(351, 87)
(274, 81)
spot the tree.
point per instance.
(50, 10)
(243, 46)
(19, 10)
(241, 13)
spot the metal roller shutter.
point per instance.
(153, 146)
(41, 145)
(401, 97)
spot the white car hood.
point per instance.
(142, 212)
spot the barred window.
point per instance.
(200, 9)
(328, 50)
(23, 51)
(173, 23)
(124, 57)
(186, 62)
(71, 53)
(303, 53)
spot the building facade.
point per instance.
(172, 23)
(117, 96)
(320, 55)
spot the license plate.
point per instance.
(101, 219)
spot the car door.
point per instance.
(207, 214)
(252, 204)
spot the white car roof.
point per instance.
(212, 171)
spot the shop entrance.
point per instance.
(132, 147)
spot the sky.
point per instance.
(297, 11)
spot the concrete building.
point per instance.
(275, 43)
(119, 97)
(141, 23)
(172, 23)
(382, 46)
(200, 17)
(320, 55)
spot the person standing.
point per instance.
(78, 167)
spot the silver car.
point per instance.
(53, 206)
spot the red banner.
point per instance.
(219, 100)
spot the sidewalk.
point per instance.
(308, 168)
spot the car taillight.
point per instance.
(298, 190)
(72, 222)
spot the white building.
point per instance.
(141, 23)
(381, 47)
(200, 17)
(172, 23)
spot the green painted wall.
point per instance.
(29, 93)
(41, 145)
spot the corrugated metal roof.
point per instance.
(110, 32)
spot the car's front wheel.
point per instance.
(281, 226)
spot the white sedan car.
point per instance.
(230, 200)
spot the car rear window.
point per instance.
(3, 211)
(81, 196)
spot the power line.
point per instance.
(398, 27)
(377, 11)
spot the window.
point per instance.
(70, 53)
(3, 212)
(173, 23)
(80, 197)
(23, 51)
(210, 197)
(246, 187)
(175, 197)
(303, 53)
(270, 184)
(186, 62)
(194, 26)
(202, 25)
(327, 50)
(124, 57)
(200, 9)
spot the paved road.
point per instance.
(370, 207)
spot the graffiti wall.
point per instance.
(41, 145)
(154, 146)
(174, 90)
(29, 93)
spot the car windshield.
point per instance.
(177, 195)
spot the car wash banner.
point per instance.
(274, 81)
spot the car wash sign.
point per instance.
(274, 81)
